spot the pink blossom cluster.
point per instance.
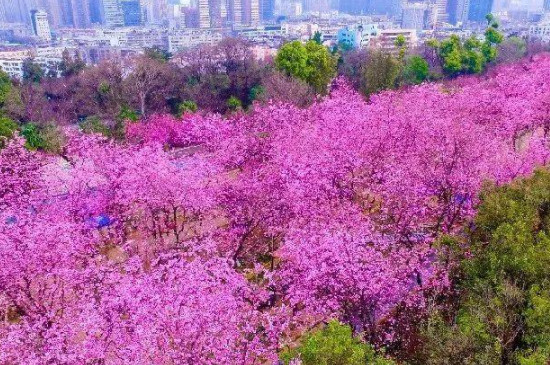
(212, 240)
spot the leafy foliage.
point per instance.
(32, 136)
(511, 50)
(333, 345)
(234, 104)
(32, 71)
(95, 125)
(380, 73)
(71, 66)
(504, 286)
(416, 70)
(47, 138)
(5, 87)
(469, 56)
(7, 129)
(312, 63)
(187, 106)
(218, 240)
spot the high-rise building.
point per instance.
(390, 7)
(479, 9)
(131, 12)
(354, 6)
(15, 11)
(452, 10)
(80, 11)
(96, 11)
(267, 10)
(216, 13)
(191, 16)
(53, 9)
(65, 13)
(156, 11)
(458, 11)
(316, 5)
(235, 11)
(112, 13)
(204, 13)
(223, 9)
(251, 11)
(415, 16)
(442, 12)
(41, 25)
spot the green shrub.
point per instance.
(48, 138)
(7, 127)
(502, 311)
(32, 136)
(187, 106)
(234, 104)
(94, 125)
(53, 138)
(416, 70)
(333, 345)
(127, 114)
(257, 93)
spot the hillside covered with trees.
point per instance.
(407, 229)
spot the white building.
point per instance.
(14, 68)
(540, 32)
(113, 13)
(41, 25)
(292, 9)
(358, 36)
(387, 39)
(11, 61)
(184, 39)
(254, 14)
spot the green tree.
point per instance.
(312, 63)
(48, 138)
(54, 140)
(469, 56)
(32, 71)
(292, 59)
(381, 72)
(7, 129)
(333, 345)
(234, 104)
(187, 106)
(416, 70)
(94, 125)
(127, 114)
(493, 36)
(32, 136)
(401, 44)
(5, 87)
(451, 52)
(502, 314)
(317, 37)
(158, 54)
(400, 41)
(257, 93)
(70, 66)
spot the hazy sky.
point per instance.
(518, 4)
(530, 4)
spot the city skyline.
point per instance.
(220, 13)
